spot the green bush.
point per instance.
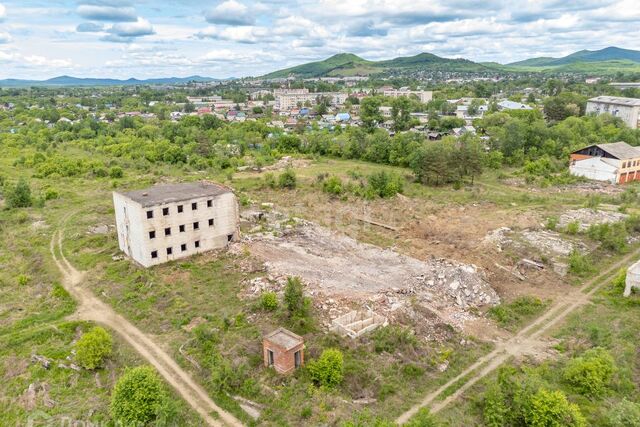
(333, 185)
(422, 418)
(19, 195)
(93, 348)
(383, 184)
(51, 194)
(579, 264)
(287, 179)
(23, 279)
(552, 223)
(294, 297)
(590, 373)
(552, 409)
(116, 172)
(623, 414)
(327, 370)
(513, 313)
(392, 337)
(494, 410)
(139, 398)
(573, 227)
(612, 237)
(269, 301)
(269, 180)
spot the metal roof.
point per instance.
(621, 150)
(617, 100)
(170, 193)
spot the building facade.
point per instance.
(283, 350)
(167, 222)
(423, 96)
(616, 163)
(628, 109)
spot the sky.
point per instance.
(237, 38)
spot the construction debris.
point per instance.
(357, 323)
(45, 362)
(587, 217)
(548, 241)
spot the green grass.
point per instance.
(513, 315)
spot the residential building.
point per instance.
(283, 350)
(512, 105)
(172, 221)
(616, 163)
(628, 109)
(423, 96)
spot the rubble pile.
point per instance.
(586, 217)
(548, 242)
(498, 237)
(286, 162)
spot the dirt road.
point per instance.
(527, 341)
(91, 308)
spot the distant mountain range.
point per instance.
(77, 81)
(604, 61)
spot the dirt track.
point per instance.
(91, 308)
(525, 342)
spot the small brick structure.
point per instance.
(283, 350)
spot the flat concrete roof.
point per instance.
(284, 338)
(617, 100)
(170, 193)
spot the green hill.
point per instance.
(603, 61)
(348, 64)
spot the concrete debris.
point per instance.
(357, 323)
(45, 362)
(286, 162)
(530, 264)
(586, 217)
(498, 238)
(37, 391)
(548, 242)
(101, 229)
(335, 266)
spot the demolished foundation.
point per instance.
(357, 323)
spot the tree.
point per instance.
(552, 409)
(93, 348)
(287, 179)
(294, 297)
(328, 370)
(370, 112)
(139, 398)
(401, 113)
(566, 104)
(19, 195)
(590, 373)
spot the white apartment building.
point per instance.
(171, 221)
(423, 95)
(293, 100)
(628, 109)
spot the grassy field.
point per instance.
(198, 309)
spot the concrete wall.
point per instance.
(134, 227)
(633, 279)
(628, 114)
(594, 168)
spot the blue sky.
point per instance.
(145, 38)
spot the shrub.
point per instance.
(422, 418)
(512, 313)
(294, 297)
(552, 223)
(333, 186)
(269, 180)
(591, 373)
(116, 172)
(494, 411)
(51, 194)
(623, 414)
(390, 338)
(383, 184)
(19, 195)
(328, 370)
(573, 227)
(551, 408)
(93, 348)
(579, 264)
(139, 398)
(269, 301)
(287, 179)
(23, 279)
(612, 237)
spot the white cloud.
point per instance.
(3, 12)
(107, 13)
(230, 12)
(4, 37)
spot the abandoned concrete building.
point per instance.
(633, 279)
(283, 350)
(172, 221)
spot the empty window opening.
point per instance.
(209, 203)
(182, 228)
(229, 237)
(194, 206)
(149, 214)
(270, 357)
(169, 251)
(211, 222)
(165, 211)
(183, 247)
(196, 225)
(154, 254)
(297, 359)
(167, 231)
(152, 234)
(180, 208)
(197, 244)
